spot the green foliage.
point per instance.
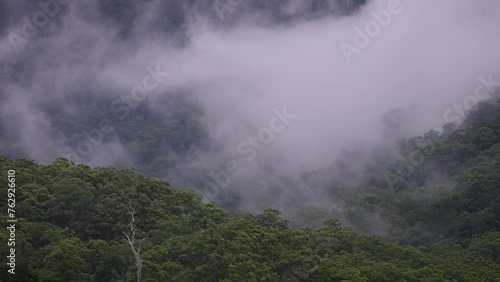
(155, 139)
(441, 223)
(81, 212)
(445, 184)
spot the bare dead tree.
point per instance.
(131, 241)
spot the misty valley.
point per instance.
(260, 140)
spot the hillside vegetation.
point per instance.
(72, 221)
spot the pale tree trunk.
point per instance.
(131, 241)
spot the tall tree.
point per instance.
(131, 241)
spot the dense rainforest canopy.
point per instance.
(72, 221)
(338, 195)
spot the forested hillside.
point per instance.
(250, 140)
(442, 185)
(73, 223)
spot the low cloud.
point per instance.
(427, 58)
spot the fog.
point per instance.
(243, 71)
